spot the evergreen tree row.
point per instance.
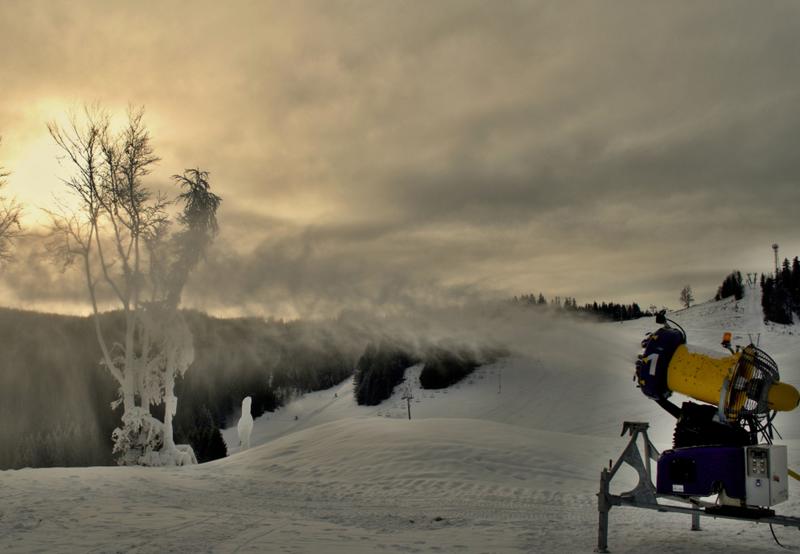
(606, 310)
(731, 286)
(445, 367)
(382, 367)
(614, 312)
(379, 370)
(781, 293)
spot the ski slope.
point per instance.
(506, 461)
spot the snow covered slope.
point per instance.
(571, 377)
(506, 461)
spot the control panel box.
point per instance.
(766, 474)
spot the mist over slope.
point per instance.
(564, 374)
(55, 399)
(560, 378)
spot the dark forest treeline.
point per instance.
(781, 293)
(447, 366)
(379, 370)
(732, 285)
(55, 399)
(383, 366)
(610, 311)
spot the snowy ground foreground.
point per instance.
(507, 461)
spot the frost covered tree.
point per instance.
(10, 228)
(245, 425)
(686, 297)
(122, 236)
(172, 258)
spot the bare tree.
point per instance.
(120, 235)
(686, 297)
(10, 227)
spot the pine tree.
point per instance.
(795, 284)
(786, 273)
(731, 286)
(775, 302)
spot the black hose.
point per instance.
(681, 329)
(774, 537)
(673, 410)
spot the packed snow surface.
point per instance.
(508, 460)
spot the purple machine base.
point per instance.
(702, 471)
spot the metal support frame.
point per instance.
(644, 494)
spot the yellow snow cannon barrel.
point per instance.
(734, 381)
(699, 376)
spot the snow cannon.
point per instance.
(745, 382)
(722, 463)
(722, 445)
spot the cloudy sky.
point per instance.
(386, 153)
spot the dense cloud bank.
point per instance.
(378, 151)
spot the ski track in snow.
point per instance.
(506, 461)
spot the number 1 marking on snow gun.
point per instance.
(653, 359)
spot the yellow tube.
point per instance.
(782, 397)
(701, 377)
(698, 375)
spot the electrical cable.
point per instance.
(681, 329)
(794, 475)
(771, 530)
